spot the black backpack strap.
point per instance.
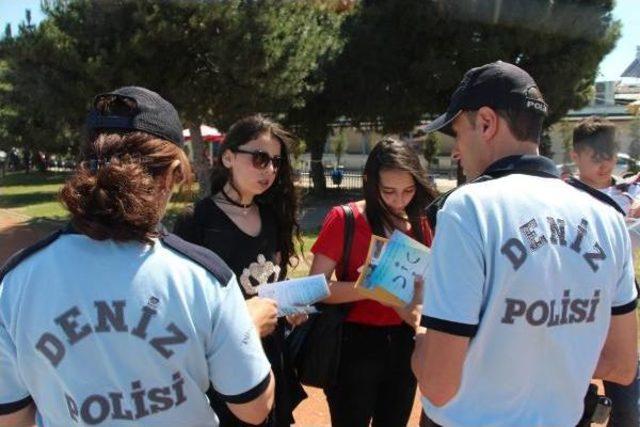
(201, 256)
(348, 237)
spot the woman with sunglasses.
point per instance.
(375, 384)
(249, 220)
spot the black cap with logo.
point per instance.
(137, 109)
(498, 85)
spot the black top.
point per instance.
(252, 259)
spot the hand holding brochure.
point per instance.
(296, 295)
(389, 276)
(364, 286)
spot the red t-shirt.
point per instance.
(330, 243)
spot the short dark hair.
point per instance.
(523, 124)
(597, 133)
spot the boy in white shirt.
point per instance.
(595, 154)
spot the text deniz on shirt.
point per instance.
(96, 408)
(110, 318)
(517, 250)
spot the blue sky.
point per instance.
(628, 11)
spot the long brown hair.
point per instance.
(114, 194)
(397, 155)
(281, 196)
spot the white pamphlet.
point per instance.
(296, 295)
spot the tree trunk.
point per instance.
(26, 156)
(460, 175)
(200, 161)
(317, 170)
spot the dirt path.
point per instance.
(18, 231)
(313, 411)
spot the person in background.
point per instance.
(595, 153)
(249, 220)
(374, 382)
(113, 321)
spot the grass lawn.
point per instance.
(36, 195)
(33, 195)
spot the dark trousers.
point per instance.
(625, 400)
(426, 421)
(375, 382)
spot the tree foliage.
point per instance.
(402, 59)
(382, 64)
(216, 61)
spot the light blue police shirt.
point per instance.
(531, 269)
(124, 334)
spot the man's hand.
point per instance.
(264, 312)
(412, 312)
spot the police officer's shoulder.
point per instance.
(595, 193)
(455, 195)
(199, 255)
(25, 253)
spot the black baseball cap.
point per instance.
(498, 85)
(140, 109)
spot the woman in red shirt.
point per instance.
(375, 383)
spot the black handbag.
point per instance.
(315, 345)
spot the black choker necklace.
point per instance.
(234, 203)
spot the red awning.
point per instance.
(209, 134)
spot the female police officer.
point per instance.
(113, 321)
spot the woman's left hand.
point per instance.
(297, 319)
(412, 312)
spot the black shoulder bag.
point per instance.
(315, 345)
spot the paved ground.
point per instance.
(18, 231)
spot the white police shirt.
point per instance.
(531, 269)
(124, 334)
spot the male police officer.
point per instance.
(531, 289)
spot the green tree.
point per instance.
(431, 147)
(216, 61)
(339, 145)
(402, 59)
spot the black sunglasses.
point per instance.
(260, 159)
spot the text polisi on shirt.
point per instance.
(110, 318)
